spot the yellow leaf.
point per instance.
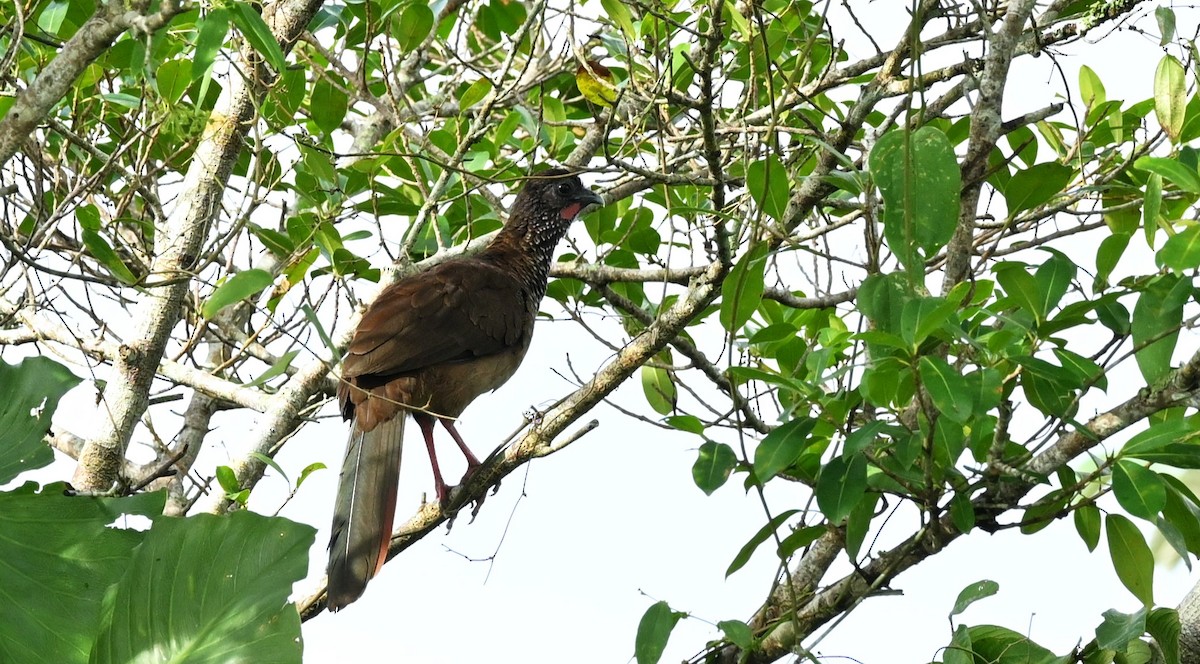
(595, 83)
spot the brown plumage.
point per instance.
(427, 346)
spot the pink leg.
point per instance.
(426, 424)
(472, 462)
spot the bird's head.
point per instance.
(545, 207)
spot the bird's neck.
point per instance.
(526, 254)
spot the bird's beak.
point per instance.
(590, 197)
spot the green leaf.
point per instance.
(1138, 490)
(277, 369)
(173, 78)
(841, 486)
(947, 388)
(973, 593)
(311, 315)
(782, 447)
(1182, 250)
(1165, 16)
(102, 251)
(713, 466)
(919, 179)
(742, 290)
(1053, 278)
(60, 559)
(1000, 645)
(738, 633)
(688, 423)
(1091, 90)
(474, 94)
(1131, 557)
(799, 539)
(243, 565)
(1178, 173)
(962, 512)
(1021, 287)
(413, 25)
(309, 470)
(659, 389)
(1035, 186)
(1159, 310)
(1087, 524)
(1158, 436)
(1151, 206)
(328, 107)
(272, 463)
(618, 12)
(210, 35)
(859, 524)
(240, 286)
(1118, 629)
(960, 649)
(31, 392)
(653, 631)
(228, 479)
(1170, 96)
(922, 317)
(1163, 624)
(767, 182)
(255, 30)
(748, 549)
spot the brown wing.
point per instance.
(456, 311)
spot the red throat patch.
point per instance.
(570, 211)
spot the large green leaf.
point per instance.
(1163, 624)
(1182, 175)
(1182, 250)
(256, 31)
(742, 290)
(58, 558)
(209, 589)
(1118, 629)
(31, 392)
(1131, 557)
(1035, 186)
(713, 465)
(1000, 645)
(768, 184)
(973, 593)
(842, 484)
(782, 447)
(235, 289)
(1138, 489)
(1156, 317)
(948, 389)
(1170, 101)
(653, 631)
(919, 179)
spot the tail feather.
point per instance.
(365, 508)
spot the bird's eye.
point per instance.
(564, 188)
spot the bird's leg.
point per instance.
(472, 462)
(426, 424)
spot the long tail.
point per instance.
(365, 507)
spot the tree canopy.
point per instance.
(863, 259)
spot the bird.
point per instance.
(427, 346)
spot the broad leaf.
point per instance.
(1138, 490)
(767, 182)
(1131, 557)
(653, 631)
(948, 389)
(235, 289)
(919, 179)
(31, 392)
(1156, 317)
(60, 558)
(973, 593)
(1170, 101)
(1118, 629)
(841, 486)
(742, 290)
(1035, 186)
(782, 447)
(243, 565)
(713, 466)
(255, 30)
